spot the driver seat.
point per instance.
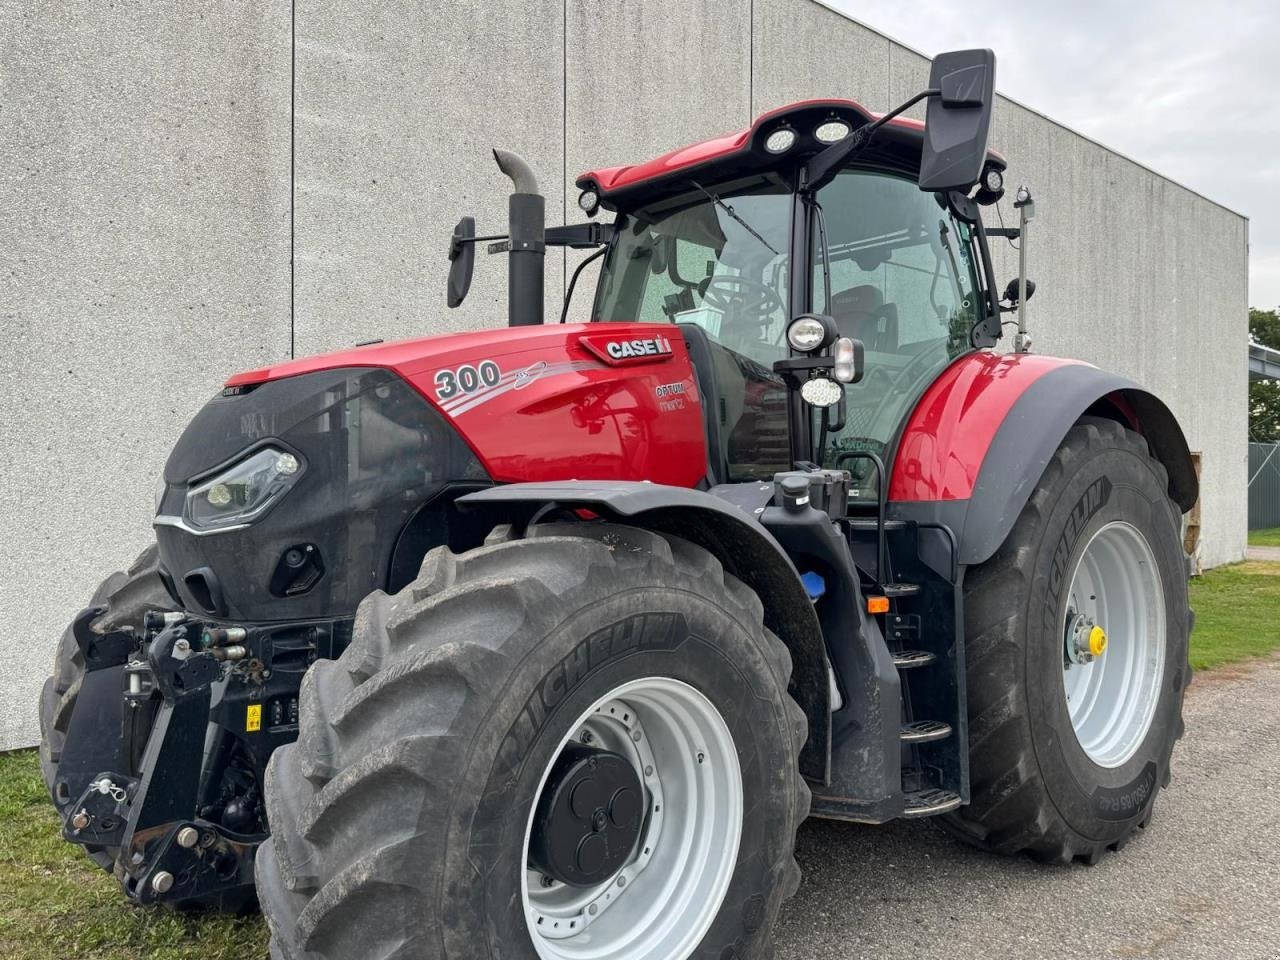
(861, 313)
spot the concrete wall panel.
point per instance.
(683, 74)
(398, 108)
(803, 50)
(145, 188)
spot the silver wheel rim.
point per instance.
(661, 903)
(1112, 698)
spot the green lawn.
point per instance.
(1265, 538)
(1237, 613)
(55, 904)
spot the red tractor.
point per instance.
(542, 641)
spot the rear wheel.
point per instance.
(1076, 639)
(573, 746)
(127, 596)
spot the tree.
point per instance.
(1264, 395)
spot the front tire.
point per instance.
(1068, 753)
(402, 818)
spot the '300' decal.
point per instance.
(467, 379)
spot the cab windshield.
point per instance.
(715, 258)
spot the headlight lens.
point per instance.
(821, 392)
(781, 140)
(806, 334)
(244, 491)
(833, 131)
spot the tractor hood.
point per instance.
(301, 487)
(553, 402)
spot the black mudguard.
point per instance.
(746, 549)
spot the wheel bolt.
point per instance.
(162, 882)
(188, 837)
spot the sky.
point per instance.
(1189, 89)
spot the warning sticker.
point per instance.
(253, 718)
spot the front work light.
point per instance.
(781, 140)
(821, 392)
(806, 334)
(244, 491)
(833, 131)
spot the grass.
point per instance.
(1265, 538)
(1237, 613)
(54, 903)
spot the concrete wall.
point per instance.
(158, 168)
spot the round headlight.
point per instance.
(781, 140)
(219, 495)
(993, 180)
(589, 201)
(806, 334)
(821, 392)
(833, 131)
(286, 464)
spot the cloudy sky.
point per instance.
(1188, 88)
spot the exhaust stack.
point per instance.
(526, 214)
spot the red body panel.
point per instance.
(948, 434)
(610, 179)
(534, 403)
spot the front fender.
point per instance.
(983, 433)
(745, 548)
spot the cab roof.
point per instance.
(897, 144)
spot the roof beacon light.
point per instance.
(781, 140)
(833, 131)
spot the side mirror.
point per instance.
(462, 260)
(1011, 291)
(957, 120)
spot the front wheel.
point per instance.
(1076, 637)
(577, 745)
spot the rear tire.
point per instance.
(1041, 783)
(399, 818)
(127, 595)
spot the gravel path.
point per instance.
(1202, 882)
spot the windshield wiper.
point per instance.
(730, 211)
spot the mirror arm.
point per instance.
(824, 165)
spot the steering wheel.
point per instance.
(731, 292)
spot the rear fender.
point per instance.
(982, 435)
(745, 548)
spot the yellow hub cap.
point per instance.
(1097, 642)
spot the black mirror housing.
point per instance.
(1011, 291)
(462, 260)
(958, 120)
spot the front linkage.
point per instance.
(165, 754)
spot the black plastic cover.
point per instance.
(373, 453)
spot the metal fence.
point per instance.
(1264, 485)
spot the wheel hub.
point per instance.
(588, 817)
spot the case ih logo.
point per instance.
(617, 352)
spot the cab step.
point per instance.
(924, 731)
(910, 659)
(896, 590)
(929, 803)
